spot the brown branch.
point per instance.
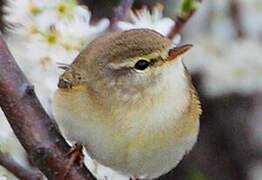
(180, 22)
(120, 12)
(3, 25)
(16, 169)
(235, 14)
(36, 131)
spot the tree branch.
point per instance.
(16, 169)
(235, 14)
(187, 9)
(36, 131)
(120, 12)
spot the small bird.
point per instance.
(129, 100)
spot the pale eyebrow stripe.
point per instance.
(121, 65)
(131, 63)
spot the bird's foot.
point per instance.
(76, 155)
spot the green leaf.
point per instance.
(187, 6)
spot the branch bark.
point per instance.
(16, 169)
(36, 131)
(180, 21)
(235, 14)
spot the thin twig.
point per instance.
(235, 14)
(180, 22)
(16, 169)
(120, 12)
(35, 130)
(2, 24)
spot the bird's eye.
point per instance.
(141, 64)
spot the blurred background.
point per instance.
(226, 65)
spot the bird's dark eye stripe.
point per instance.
(142, 64)
(154, 60)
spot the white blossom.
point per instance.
(44, 33)
(143, 18)
(9, 144)
(2, 175)
(49, 32)
(251, 13)
(227, 66)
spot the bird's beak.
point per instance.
(177, 51)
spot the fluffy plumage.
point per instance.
(140, 123)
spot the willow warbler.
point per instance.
(129, 100)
